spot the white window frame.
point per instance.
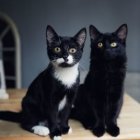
(3, 94)
(17, 46)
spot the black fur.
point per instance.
(45, 93)
(100, 98)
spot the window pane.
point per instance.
(8, 40)
(10, 83)
(9, 63)
(3, 25)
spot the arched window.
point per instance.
(11, 51)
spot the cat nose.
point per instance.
(65, 58)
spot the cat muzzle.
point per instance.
(65, 58)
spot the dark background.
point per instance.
(67, 17)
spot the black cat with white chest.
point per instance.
(102, 91)
(47, 104)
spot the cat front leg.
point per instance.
(64, 114)
(55, 132)
(64, 117)
(113, 129)
(111, 120)
(99, 124)
(99, 128)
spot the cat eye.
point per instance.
(57, 50)
(72, 50)
(100, 45)
(113, 45)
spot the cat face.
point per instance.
(108, 46)
(65, 51)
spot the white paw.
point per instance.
(70, 130)
(41, 130)
(57, 138)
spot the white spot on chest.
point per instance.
(62, 103)
(68, 75)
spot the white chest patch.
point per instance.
(62, 103)
(67, 76)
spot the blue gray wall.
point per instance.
(67, 17)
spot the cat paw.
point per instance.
(66, 130)
(55, 133)
(57, 138)
(113, 130)
(86, 126)
(41, 130)
(98, 131)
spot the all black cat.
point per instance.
(47, 104)
(100, 98)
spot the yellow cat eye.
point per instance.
(100, 45)
(57, 49)
(113, 45)
(72, 50)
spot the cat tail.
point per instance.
(11, 116)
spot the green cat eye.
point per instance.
(113, 45)
(72, 50)
(100, 45)
(57, 49)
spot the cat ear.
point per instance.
(51, 35)
(93, 32)
(80, 37)
(122, 32)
